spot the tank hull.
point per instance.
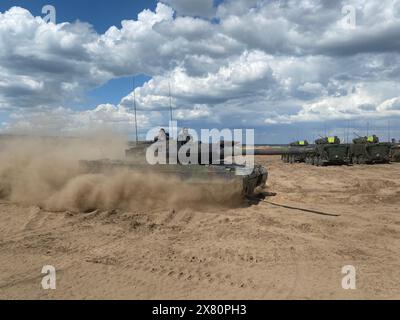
(395, 153)
(234, 175)
(320, 154)
(331, 154)
(370, 153)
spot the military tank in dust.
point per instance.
(296, 152)
(205, 170)
(328, 151)
(368, 150)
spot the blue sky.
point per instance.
(286, 69)
(101, 14)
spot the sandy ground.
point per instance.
(250, 252)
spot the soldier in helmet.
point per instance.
(162, 136)
(184, 137)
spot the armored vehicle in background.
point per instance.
(328, 151)
(395, 151)
(368, 150)
(296, 152)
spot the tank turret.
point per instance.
(328, 140)
(363, 140)
(299, 143)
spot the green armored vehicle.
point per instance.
(204, 170)
(296, 152)
(368, 150)
(328, 151)
(395, 151)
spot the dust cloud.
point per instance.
(46, 172)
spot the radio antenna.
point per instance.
(170, 100)
(134, 107)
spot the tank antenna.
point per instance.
(170, 100)
(134, 107)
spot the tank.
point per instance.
(368, 150)
(219, 170)
(296, 152)
(328, 151)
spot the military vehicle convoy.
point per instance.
(368, 150)
(329, 151)
(296, 152)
